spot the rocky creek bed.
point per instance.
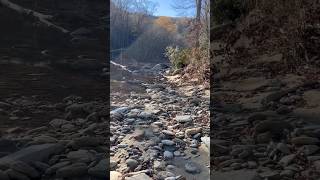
(160, 133)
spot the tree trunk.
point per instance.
(198, 21)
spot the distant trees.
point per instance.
(166, 23)
(145, 37)
(128, 20)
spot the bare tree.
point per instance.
(201, 9)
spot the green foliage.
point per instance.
(228, 10)
(178, 57)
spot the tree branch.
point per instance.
(41, 17)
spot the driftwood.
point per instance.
(41, 17)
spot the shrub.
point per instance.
(177, 56)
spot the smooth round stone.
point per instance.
(167, 142)
(192, 168)
(167, 155)
(132, 163)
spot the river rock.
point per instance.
(132, 163)
(99, 170)
(167, 155)
(74, 170)
(183, 118)
(192, 168)
(57, 123)
(141, 176)
(192, 131)
(81, 156)
(25, 169)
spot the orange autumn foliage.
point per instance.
(166, 23)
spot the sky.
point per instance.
(164, 8)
